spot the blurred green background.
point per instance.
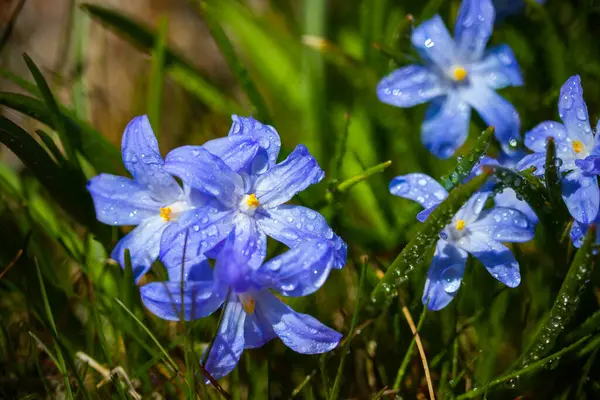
(69, 315)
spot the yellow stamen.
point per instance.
(460, 224)
(459, 73)
(577, 146)
(248, 303)
(166, 214)
(252, 201)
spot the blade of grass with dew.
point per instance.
(411, 256)
(533, 367)
(335, 390)
(157, 77)
(566, 302)
(465, 164)
(553, 179)
(235, 64)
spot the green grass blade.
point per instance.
(235, 64)
(553, 178)
(179, 69)
(157, 77)
(335, 390)
(55, 113)
(566, 302)
(465, 164)
(95, 147)
(536, 366)
(346, 185)
(412, 255)
(172, 363)
(50, 145)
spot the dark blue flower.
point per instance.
(247, 188)
(152, 200)
(576, 146)
(472, 230)
(457, 75)
(253, 315)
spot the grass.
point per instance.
(72, 324)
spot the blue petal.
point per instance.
(573, 112)
(444, 276)
(143, 160)
(474, 25)
(496, 257)
(257, 331)
(300, 332)
(299, 271)
(537, 160)
(198, 270)
(434, 43)
(590, 165)
(495, 111)
(578, 233)
(504, 225)
(205, 228)
(499, 68)
(420, 188)
(292, 225)
(409, 86)
(471, 210)
(581, 195)
(287, 178)
(237, 152)
(229, 342)
(446, 125)
(508, 199)
(423, 215)
(144, 245)
(244, 251)
(121, 201)
(206, 172)
(266, 136)
(200, 299)
(536, 138)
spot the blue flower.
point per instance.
(576, 146)
(247, 188)
(508, 197)
(253, 315)
(472, 230)
(457, 75)
(152, 200)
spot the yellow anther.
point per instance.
(248, 303)
(459, 73)
(379, 273)
(166, 214)
(252, 201)
(460, 224)
(577, 146)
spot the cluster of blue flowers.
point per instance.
(458, 75)
(233, 197)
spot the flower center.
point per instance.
(249, 204)
(459, 73)
(460, 224)
(577, 146)
(173, 211)
(166, 213)
(248, 303)
(252, 201)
